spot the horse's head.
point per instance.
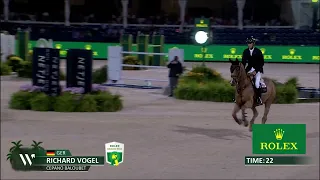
(236, 69)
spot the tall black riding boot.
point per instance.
(259, 100)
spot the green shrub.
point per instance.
(87, 104)
(210, 91)
(14, 62)
(30, 56)
(292, 81)
(107, 102)
(100, 75)
(21, 100)
(5, 69)
(66, 102)
(32, 97)
(41, 102)
(220, 91)
(286, 94)
(100, 99)
(203, 73)
(132, 60)
(25, 70)
(117, 103)
(100, 102)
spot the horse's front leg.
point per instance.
(244, 117)
(236, 109)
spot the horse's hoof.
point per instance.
(238, 122)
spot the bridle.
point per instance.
(237, 77)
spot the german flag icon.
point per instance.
(51, 153)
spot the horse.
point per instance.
(245, 94)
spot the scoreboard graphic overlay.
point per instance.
(285, 143)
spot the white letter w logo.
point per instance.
(27, 157)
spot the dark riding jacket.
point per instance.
(175, 69)
(255, 61)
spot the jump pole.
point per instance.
(115, 64)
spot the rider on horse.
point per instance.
(255, 60)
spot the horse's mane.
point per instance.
(242, 70)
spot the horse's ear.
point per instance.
(237, 60)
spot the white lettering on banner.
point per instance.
(42, 65)
(80, 78)
(54, 76)
(54, 83)
(40, 81)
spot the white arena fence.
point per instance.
(115, 64)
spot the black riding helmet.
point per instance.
(251, 40)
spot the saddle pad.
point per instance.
(262, 84)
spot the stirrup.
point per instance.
(259, 101)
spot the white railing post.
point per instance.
(182, 5)
(67, 12)
(125, 12)
(6, 9)
(240, 5)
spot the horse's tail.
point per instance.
(272, 85)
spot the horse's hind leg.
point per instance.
(244, 117)
(255, 115)
(266, 111)
(236, 109)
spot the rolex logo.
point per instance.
(201, 21)
(292, 51)
(233, 50)
(263, 50)
(279, 134)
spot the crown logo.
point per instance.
(58, 46)
(88, 47)
(204, 50)
(292, 51)
(201, 21)
(279, 134)
(233, 50)
(263, 50)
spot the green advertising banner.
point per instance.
(279, 139)
(296, 54)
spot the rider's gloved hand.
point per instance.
(251, 70)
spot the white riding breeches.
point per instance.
(257, 81)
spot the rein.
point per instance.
(241, 86)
